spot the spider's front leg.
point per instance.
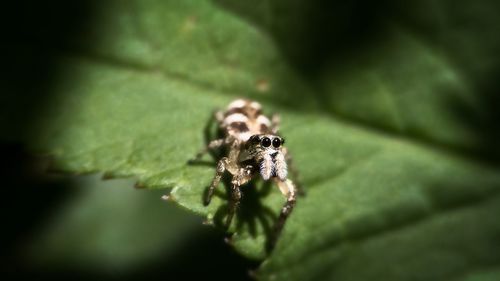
(288, 189)
(243, 176)
(229, 163)
(294, 173)
(221, 168)
(234, 203)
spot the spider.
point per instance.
(254, 148)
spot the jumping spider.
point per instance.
(254, 147)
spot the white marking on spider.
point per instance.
(264, 120)
(239, 103)
(235, 117)
(255, 105)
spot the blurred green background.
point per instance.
(58, 227)
(417, 80)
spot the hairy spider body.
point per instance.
(254, 148)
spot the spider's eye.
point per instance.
(276, 142)
(266, 142)
(254, 138)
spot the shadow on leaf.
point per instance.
(252, 216)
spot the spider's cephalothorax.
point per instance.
(254, 148)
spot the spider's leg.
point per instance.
(243, 176)
(221, 168)
(212, 145)
(217, 118)
(275, 123)
(294, 173)
(287, 188)
(234, 203)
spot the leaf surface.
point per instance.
(106, 226)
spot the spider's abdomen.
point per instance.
(243, 118)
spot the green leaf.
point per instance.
(109, 226)
(421, 69)
(396, 183)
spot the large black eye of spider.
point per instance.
(276, 142)
(266, 142)
(254, 139)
